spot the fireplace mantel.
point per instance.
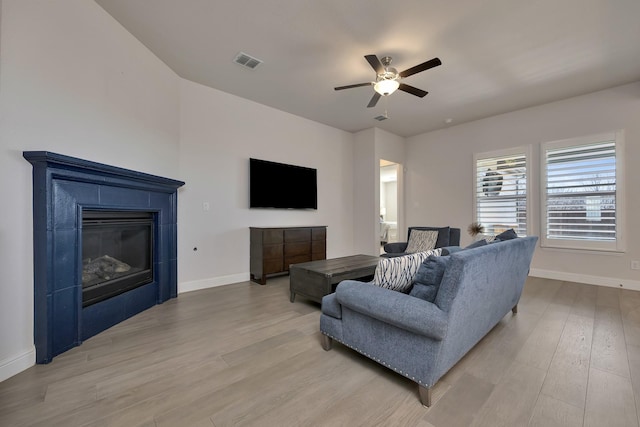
(62, 187)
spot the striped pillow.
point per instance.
(398, 273)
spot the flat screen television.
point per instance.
(283, 186)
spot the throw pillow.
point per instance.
(424, 292)
(398, 273)
(429, 276)
(443, 234)
(421, 241)
(477, 244)
(507, 235)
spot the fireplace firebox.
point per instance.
(117, 253)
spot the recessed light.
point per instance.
(448, 121)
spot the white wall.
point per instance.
(391, 147)
(366, 170)
(219, 133)
(74, 82)
(440, 166)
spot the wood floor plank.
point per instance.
(243, 354)
(461, 403)
(633, 353)
(568, 373)
(609, 350)
(610, 401)
(512, 401)
(550, 412)
(541, 345)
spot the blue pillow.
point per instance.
(425, 292)
(477, 244)
(507, 235)
(428, 278)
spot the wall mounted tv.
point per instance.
(279, 185)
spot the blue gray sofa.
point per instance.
(447, 236)
(423, 340)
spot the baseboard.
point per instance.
(611, 282)
(196, 285)
(14, 365)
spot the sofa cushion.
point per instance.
(421, 241)
(507, 235)
(398, 273)
(428, 278)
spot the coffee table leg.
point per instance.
(292, 296)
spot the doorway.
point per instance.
(388, 202)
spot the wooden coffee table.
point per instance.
(316, 279)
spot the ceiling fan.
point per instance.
(388, 78)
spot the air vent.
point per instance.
(381, 118)
(247, 61)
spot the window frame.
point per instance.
(619, 245)
(525, 151)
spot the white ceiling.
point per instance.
(497, 55)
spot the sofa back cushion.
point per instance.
(428, 278)
(398, 273)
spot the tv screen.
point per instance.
(278, 185)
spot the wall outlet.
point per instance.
(206, 206)
(635, 265)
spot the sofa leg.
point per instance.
(326, 342)
(514, 310)
(425, 395)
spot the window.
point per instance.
(501, 190)
(581, 184)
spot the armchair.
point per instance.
(447, 236)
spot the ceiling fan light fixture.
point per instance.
(386, 87)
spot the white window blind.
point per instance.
(501, 192)
(580, 188)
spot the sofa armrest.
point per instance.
(395, 247)
(331, 306)
(398, 309)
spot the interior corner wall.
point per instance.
(371, 145)
(392, 147)
(366, 199)
(74, 82)
(219, 133)
(440, 166)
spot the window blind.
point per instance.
(581, 191)
(501, 193)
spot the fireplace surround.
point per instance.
(63, 189)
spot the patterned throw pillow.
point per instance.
(422, 240)
(398, 273)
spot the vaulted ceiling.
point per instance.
(497, 55)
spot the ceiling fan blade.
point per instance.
(374, 100)
(421, 67)
(412, 90)
(351, 86)
(375, 63)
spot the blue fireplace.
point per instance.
(105, 247)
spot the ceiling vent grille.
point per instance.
(380, 118)
(247, 61)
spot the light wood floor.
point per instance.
(244, 355)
